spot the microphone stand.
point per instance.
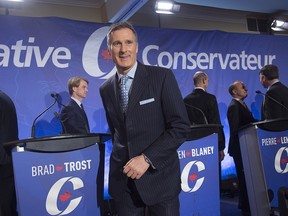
(63, 126)
(196, 108)
(33, 124)
(271, 98)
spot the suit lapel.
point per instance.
(113, 93)
(140, 82)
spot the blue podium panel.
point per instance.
(58, 183)
(199, 177)
(274, 156)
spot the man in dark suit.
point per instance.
(73, 114)
(202, 108)
(276, 99)
(144, 166)
(238, 116)
(8, 132)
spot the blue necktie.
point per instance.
(124, 93)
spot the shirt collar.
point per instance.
(77, 101)
(131, 73)
(237, 99)
(199, 88)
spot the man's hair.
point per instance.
(118, 26)
(270, 72)
(75, 82)
(233, 86)
(199, 76)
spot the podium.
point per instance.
(264, 149)
(58, 175)
(200, 172)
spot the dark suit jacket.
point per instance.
(8, 125)
(238, 116)
(8, 132)
(207, 103)
(74, 119)
(271, 109)
(156, 124)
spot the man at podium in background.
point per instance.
(275, 103)
(73, 115)
(238, 115)
(8, 132)
(202, 108)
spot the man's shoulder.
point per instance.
(107, 82)
(233, 103)
(199, 93)
(5, 100)
(282, 86)
(276, 85)
(205, 94)
(278, 90)
(210, 95)
(72, 104)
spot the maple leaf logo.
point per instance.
(283, 160)
(193, 177)
(106, 55)
(65, 196)
(59, 168)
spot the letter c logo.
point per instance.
(185, 176)
(277, 161)
(51, 200)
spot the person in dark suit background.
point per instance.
(238, 115)
(8, 132)
(73, 115)
(202, 108)
(277, 94)
(144, 166)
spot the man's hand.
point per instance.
(221, 155)
(136, 167)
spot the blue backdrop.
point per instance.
(39, 55)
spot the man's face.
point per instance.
(123, 49)
(240, 90)
(263, 81)
(80, 92)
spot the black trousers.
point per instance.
(7, 191)
(243, 195)
(131, 204)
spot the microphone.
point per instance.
(202, 113)
(63, 126)
(271, 98)
(55, 95)
(33, 124)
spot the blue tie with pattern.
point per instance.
(124, 93)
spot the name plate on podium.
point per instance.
(274, 154)
(199, 177)
(57, 183)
